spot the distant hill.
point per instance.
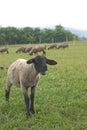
(80, 33)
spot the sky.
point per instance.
(43, 13)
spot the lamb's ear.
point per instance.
(30, 61)
(51, 62)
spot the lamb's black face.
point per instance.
(40, 64)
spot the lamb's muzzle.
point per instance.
(25, 73)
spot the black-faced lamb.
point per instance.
(24, 74)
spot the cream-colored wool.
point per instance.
(22, 74)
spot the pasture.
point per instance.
(61, 95)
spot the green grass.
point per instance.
(61, 95)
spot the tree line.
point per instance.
(13, 35)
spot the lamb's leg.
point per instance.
(32, 100)
(26, 98)
(7, 91)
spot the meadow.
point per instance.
(61, 95)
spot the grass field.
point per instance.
(61, 95)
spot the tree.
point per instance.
(12, 35)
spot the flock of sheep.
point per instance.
(40, 48)
(32, 49)
(26, 73)
(35, 49)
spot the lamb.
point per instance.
(4, 50)
(52, 46)
(37, 49)
(24, 74)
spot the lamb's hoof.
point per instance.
(32, 111)
(28, 115)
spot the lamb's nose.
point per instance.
(45, 68)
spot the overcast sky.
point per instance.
(43, 13)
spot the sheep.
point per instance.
(28, 49)
(52, 46)
(63, 46)
(4, 50)
(37, 49)
(24, 74)
(3, 68)
(20, 49)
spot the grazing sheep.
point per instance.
(52, 46)
(63, 46)
(37, 49)
(20, 49)
(26, 73)
(3, 68)
(4, 50)
(28, 49)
